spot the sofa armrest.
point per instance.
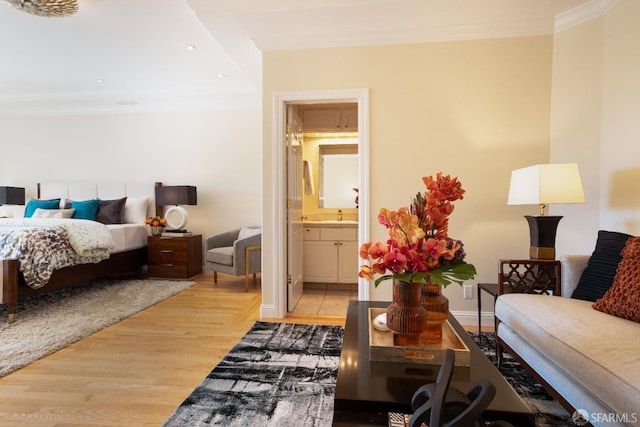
(572, 268)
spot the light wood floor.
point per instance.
(136, 372)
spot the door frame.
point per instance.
(279, 219)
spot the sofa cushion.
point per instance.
(597, 350)
(598, 277)
(623, 298)
(222, 255)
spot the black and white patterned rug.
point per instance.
(279, 374)
(284, 375)
(548, 412)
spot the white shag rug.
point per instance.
(47, 323)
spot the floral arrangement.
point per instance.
(419, 249)
(156, 221)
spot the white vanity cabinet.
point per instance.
(330, 255)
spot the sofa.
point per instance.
(583, 345)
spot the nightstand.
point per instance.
(175, 257)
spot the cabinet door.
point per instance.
(348, 262)
(349, 119)
(320, 261)
(321, 119)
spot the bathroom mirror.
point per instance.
(338, 176)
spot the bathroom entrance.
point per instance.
(324, 228)
(323, 196)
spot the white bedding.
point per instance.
(128, 236)
(87, 238)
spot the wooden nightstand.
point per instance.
(175, 257)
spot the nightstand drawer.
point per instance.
(164, 254)
(168, 270)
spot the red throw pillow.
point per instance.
(623, 298)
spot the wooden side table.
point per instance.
(491, 289)
(175, 257)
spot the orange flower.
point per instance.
(418, 243)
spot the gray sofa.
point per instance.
(590, 359)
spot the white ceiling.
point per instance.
(138, 47)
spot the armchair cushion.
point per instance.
(222, 255)
(248, 232)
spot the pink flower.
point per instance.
(418, 237)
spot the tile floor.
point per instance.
(326, 299)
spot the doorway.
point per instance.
(279, 222)
(323, 198)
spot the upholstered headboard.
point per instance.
(138, 195)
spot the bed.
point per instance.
(127, 249)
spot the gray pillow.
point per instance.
(111, 211)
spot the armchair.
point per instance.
(235, 252)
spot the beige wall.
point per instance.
(216, 150)
(472, 109)
(596, 120)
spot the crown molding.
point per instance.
(582, 13)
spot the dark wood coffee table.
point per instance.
(367, 390)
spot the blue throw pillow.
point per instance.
(34, 204)
(86, 209)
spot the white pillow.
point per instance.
(4, 214)
(53, 213)
(248, 232)
(135, 210)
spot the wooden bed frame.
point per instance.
(15, 289)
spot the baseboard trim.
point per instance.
(469, 319)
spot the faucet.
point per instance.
(339, 214)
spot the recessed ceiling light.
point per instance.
(191, 47)
(100, 80)
(220, 75)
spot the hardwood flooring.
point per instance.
(136, 372)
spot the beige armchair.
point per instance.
(235, 252)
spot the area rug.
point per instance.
(279, 374)
(548, 411)
(47, 323)
(284, 375)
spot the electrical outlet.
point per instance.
(468, 292)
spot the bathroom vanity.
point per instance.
(330, 252)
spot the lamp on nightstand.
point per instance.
(176, 195)
(11, 196)
(543, 185)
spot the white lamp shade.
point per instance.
(546, 184)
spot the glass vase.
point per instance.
(406, 316)
(156, 231)
(437, 308)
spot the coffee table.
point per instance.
(367, 390)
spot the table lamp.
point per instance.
(543, 185)
(176, 195)
(11, 196)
